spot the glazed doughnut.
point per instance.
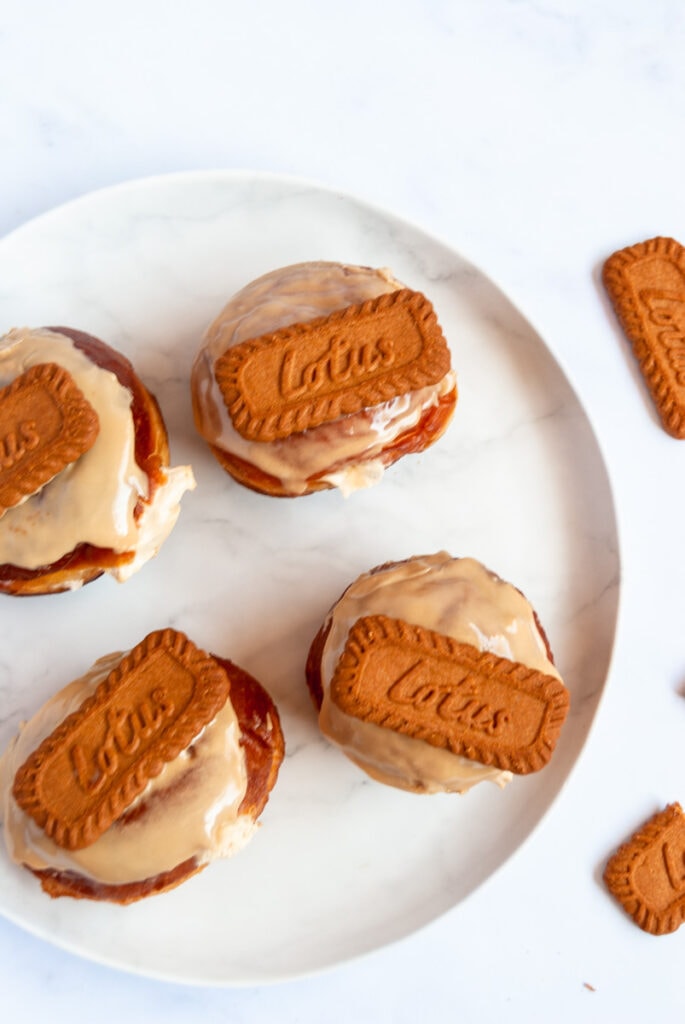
(321, 375)
(382, 668)
(201, 804)
(111, 509)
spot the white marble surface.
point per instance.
(535, 138)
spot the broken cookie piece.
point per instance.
(647, 873)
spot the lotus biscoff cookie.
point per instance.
(429, 686)
(646, 284)
(647, 873)
(433, 674)
(140, 773)
(321, 375)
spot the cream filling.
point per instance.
(191, 808)
(92, 500)
(457, 597)
(332, 451)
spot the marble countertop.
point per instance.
(535, 138)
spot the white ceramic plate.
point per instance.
(341, 865)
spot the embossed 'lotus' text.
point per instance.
(667, 310)
(459, 704)
(343, 362)
(126, 730)
(18, 443)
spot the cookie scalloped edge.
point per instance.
(516, 758)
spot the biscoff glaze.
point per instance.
(457, 597)
(190, 810)
(92, 500)
(331, 452)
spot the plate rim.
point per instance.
(235, 176)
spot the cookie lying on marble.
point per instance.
(433, 674)
(321, 375)
(137, 775)
(647, 873)
(646, 284)
(85, 482)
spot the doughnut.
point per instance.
(108, 509)
(137, 775)
(321, 375)
(432, 674)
